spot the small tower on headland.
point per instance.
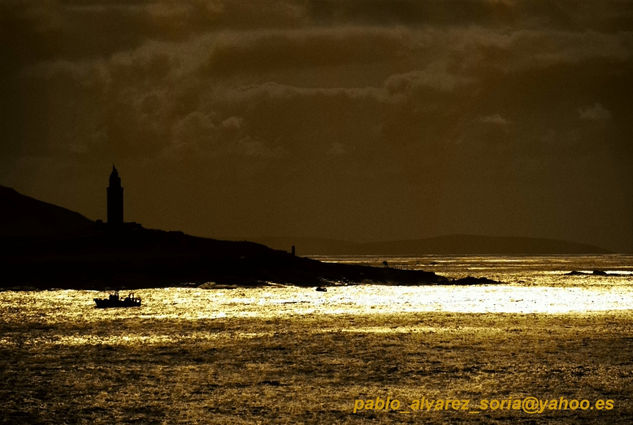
(115, 198)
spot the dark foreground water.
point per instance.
(294, 355)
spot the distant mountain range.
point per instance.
(442, 245)
(23, 216)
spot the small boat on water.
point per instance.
(114, 300)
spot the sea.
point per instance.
(286, 354)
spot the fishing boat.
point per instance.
(114, 300)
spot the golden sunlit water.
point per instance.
(283, 354)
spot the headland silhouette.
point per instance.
(47, 246)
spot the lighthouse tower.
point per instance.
(115, 199)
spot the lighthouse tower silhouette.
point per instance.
(115, 198)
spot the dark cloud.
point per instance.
(327, 118)
(609, 15)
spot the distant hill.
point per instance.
(23, 216)
(442, 245)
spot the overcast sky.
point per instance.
(349, 119)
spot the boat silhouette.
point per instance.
(114, 300)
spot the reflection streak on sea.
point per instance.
(531, 286)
